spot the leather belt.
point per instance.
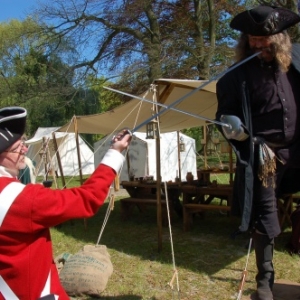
(258, 140)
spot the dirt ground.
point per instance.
(283, 290)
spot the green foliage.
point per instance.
(25, 78)
(107, 100)
(35, 74)
(195, 133)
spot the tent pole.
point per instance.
(79, 160)
(78, 149)
(58, 160)
(45, 157)
(158, 170)
(128, 165)
(230, 166)
(179, 158)
(205, 146)
(158, 189)
(51, 167)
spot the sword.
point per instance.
(243, 279)
(194, 91)
(165, 106)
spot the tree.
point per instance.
(35, 74)
(138, 41)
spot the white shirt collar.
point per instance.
(4, 172)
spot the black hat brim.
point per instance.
(264, 20)
(12, 125)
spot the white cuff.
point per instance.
(113, 159)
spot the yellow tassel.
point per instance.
(267, 168)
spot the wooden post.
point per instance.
(58, 160)
(79, 160)
(205, 147)
(158, 189)
(158, 172)
(128, 165)
(78, 149)
(45, 156)
(51, 167)
(230, 166)
(179, 156)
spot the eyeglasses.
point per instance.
(20, 149)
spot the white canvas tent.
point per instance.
(142, 156)
(67, 149)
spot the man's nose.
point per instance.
(258, 44)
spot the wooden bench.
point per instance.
(189, 209)
(128, 204)
(285, 206)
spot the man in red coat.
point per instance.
(27, 270)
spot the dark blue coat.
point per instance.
(234, 85)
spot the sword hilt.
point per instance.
(126, 131)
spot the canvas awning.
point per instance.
(134, 112)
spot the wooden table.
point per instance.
(143, 194)
(195, 198)
(198, 199)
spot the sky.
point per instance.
(15, 9)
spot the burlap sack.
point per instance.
(60, 260)
(87, 272)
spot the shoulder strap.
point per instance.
(6, 291)
(7, 197)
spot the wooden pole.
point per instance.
(230, 165)
(78, 148)
(79, 160)
(179, 156)
(158, 189)
(58, 160)
(158, 173)
(128, 165)
(45, 147)
(205, 147)
(51, 167)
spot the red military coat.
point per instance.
(27, 269)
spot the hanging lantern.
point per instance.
(151, 130)
(215, 137)
(182, 145)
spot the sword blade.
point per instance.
(165, 106)
(194, 91)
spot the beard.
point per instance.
(266, 53)
(21, 164)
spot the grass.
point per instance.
(209, 262)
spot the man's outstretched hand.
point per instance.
(121, 140)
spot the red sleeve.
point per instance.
(47, 207)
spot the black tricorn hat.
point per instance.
(12, 125)
(264, 20)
